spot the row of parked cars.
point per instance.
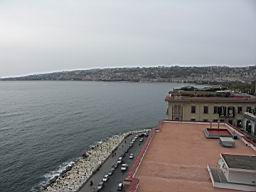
(124, 166)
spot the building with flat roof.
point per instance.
(178, 157)
(236, 172)
(209, 104)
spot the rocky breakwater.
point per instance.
(77, 174)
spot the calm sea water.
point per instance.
(46, 125)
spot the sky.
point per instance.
(57, 35)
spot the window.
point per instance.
(222, 120)
(205, 109)
(222, 111)
(215, 110)
(231, 111)
(215, 120)
(193, 109)
(205, 120)
(230, 122)
(239, 123)
(192, 119)
(248, 109)
(239, 110)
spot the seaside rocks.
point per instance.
(79, 172)
(85, 155)
(75, 176)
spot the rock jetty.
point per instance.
(77, 174)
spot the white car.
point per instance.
(105, 178)
(124, 167)
(110, 173)
(100, 186)
(131, 156)
(119, 160)
(120, 187)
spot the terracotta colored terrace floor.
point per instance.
(177, 159)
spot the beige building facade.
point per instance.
(184, 107)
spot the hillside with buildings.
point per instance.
(153, 74)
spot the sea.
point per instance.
(46, 125)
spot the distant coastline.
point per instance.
(174, 74)
(235, 78)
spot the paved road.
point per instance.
(119, 176)
(111, 184)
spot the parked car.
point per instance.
(120, 187)
(141, 139)
(124, 167)
(110, 173)
(100, 186)
(120, 159)
(105, 178)
(131, 156)
(113, 168)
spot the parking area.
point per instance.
(114, 170)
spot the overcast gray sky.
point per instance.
(53, 35)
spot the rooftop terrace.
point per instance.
(208, 94)
(178, 155)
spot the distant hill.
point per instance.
(152, 74)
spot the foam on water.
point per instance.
(52, 175)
